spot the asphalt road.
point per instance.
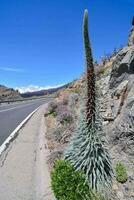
(12, 115)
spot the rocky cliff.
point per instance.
(131, 36)
(117, 109)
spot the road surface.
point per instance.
(24, 174)
(12, 115)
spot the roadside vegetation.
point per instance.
(67, 183)
(121, 173)
(85, 170)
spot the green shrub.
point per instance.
(68, 184)
(51, 109)
(77, 90)
(121, 174)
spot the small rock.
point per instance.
(105, 123)
(120, 195)
(108, 117)
(126, 189)
(115, 187)
(131, 194)
(131, 178)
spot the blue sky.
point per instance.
(41, 40)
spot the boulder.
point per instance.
(122, 67)
(120, 89)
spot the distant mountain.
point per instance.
(43, 92)
(8, 94)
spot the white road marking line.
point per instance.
(14, 133)
(16, 107)
(17, 103)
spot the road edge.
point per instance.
(10, 138)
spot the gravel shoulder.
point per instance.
(24, 174)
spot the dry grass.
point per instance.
(103, 70)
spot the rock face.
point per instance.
(8, 94)
(117, 110)
(118, 100)
(123, 66)
(131, 37)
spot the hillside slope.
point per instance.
(8, 94)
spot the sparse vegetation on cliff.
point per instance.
(121, 173)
